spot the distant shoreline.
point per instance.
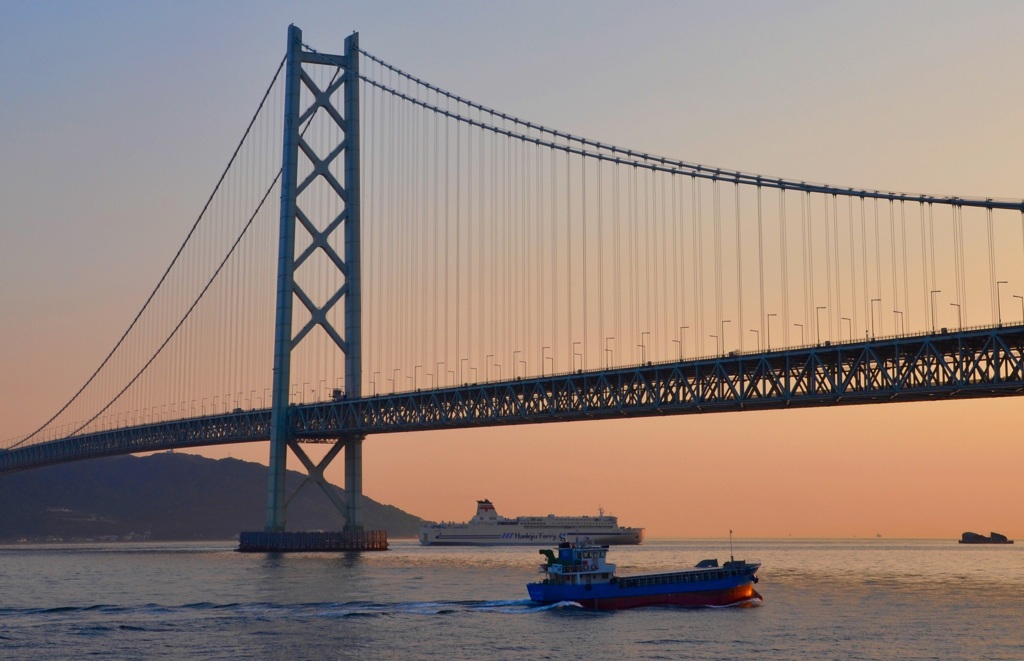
(6, 544)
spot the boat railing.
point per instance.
(572, 569)
(695, 575)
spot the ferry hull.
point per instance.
(452, 536)
(611, 598)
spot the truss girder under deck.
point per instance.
(970, 364)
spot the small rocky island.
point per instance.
(975, 538)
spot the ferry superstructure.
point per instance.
(488, 528)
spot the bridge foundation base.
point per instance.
(307, 542)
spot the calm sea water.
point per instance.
(844, 599)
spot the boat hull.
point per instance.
(611, 597)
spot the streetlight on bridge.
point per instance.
(817, 319)
(932, 294)
(879, 301)
(999, 307)
(959, 316)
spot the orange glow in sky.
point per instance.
(107, 158)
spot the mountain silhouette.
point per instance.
(167, 496)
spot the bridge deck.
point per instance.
(986, 362)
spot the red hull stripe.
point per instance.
(707, 598)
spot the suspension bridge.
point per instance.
(442, 265)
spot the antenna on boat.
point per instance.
(731, 558)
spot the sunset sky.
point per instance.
(117, 118)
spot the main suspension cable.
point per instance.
(174, 260)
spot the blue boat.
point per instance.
(578, 572)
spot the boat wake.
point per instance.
(160, 617)
(561, 605)
(272, 611)
(505, 606)
(754, 601)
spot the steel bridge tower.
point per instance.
(282, 432)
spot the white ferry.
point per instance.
(487, 528)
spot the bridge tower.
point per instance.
(282, 434)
